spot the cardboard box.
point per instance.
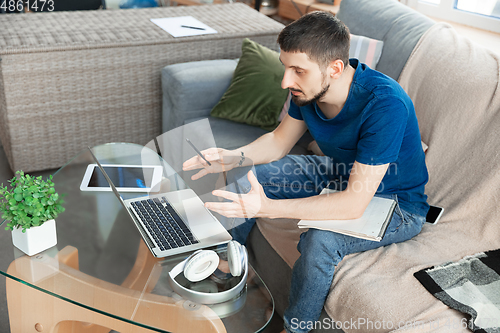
(293, 9)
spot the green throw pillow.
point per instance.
(255, 96)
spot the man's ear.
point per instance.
(336, 68)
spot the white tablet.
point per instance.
(126, 178)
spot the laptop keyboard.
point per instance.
(164, 224)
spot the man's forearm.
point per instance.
(338, 206)
(351, 203)
(265, 149)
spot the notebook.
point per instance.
(173, 222)
(371, 226)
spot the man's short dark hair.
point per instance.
(320, 35)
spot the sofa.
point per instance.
(454, 85)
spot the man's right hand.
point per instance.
(221, 160)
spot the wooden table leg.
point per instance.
(32, 310)
(143, 277)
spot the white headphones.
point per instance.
(201, 265)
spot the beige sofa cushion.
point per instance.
(455, 88)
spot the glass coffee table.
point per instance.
(102, 277)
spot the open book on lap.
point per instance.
(371, 226)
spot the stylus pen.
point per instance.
(190, 27)
(198, 152)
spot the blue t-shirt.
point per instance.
(377, 125)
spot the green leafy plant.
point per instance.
(30, 202)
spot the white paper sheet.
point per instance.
(180, 26)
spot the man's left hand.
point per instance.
(253, 204)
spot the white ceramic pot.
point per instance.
(35, 239)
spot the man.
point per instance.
(365, 125)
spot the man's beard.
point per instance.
(301, 102)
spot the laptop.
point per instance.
(173, 222)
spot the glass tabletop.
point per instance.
(101, 264)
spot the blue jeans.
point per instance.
(321, 251)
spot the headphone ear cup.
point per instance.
(243, 258)
(234, 258)
(201, 265)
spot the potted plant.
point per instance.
(30, 206)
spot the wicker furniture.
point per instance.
(73, 79)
